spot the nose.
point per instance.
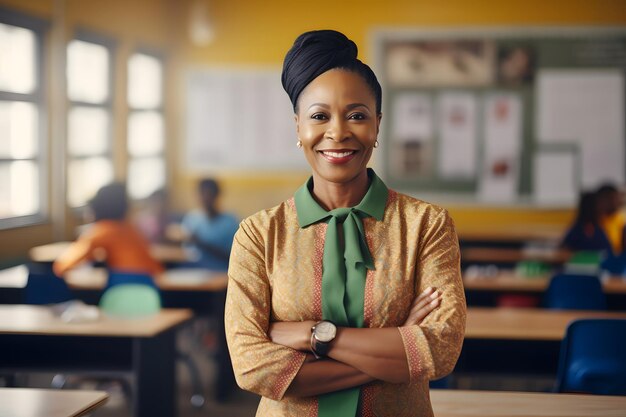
(338, 130)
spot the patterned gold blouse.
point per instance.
(275, 274)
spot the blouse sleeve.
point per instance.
(260, 366)
(433, 346)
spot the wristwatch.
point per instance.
(321, 335)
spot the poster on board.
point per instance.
(457, 119)
(500, 169)
(585, 108)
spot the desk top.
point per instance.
(178, 279)
(510, 281)
(525, 323)
(511, 255)
(162, 252)
(40, 320)
(511, 233)
(32, 402)
(454, 403)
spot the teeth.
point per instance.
(337, 154)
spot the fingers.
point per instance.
(423, 305)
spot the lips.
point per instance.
(340, 156)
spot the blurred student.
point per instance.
(209, 232)
(125, 249)
(586, 234)
(155, 218)
(611, 220)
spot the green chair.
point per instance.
(130, 301)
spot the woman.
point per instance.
(586, 234)
(312, 334)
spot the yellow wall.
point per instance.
(250, 33)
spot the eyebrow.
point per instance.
(348, 107)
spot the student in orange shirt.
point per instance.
(126, 250)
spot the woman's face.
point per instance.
(338, 125)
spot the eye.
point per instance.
(357, 116)
(319, 116)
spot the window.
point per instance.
(146, 127)
(21, 108)
(89, 124)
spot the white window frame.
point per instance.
(107, 105)
(38, 97)
(157, 109)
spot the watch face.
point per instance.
(325, 331)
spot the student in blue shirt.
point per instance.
(209, 231)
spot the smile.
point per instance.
(338, 157)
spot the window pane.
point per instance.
(145, 176)
(17, 59)
(87, 72)
(85, 177)
(19, 189)
(145, 81)
(18, 130)
(88, 130)
(145, 133)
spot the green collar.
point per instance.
(373, 203)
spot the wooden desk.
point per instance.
(32, 402)
(178, 279)
(525, 323)
(453, 403)
(161, 252)
(509, 281)
(511, 255)
(33, 339)
(510, 233)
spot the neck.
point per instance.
(332, 195)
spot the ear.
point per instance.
(379, 117)
(297, 120)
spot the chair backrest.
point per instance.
(575, 292)
(43, 287)
(130, 301)
(121, 277)
(593, 357)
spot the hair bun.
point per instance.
(312, 54)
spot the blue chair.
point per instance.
(120, 277)
(132, 294)
(575, 292)
(593, 357)
(43, 287)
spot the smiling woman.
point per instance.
(346, 299)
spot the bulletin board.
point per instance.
(503, 116)
(238, 120)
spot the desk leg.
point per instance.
(154, 368)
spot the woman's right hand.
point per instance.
(422, 306)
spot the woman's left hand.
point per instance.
(293, 334)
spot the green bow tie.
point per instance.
(345, 263)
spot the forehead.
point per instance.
(337, 86)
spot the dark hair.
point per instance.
(313, 53)
(606, 189)
(110, 202)
(209, 184)
(587, 208)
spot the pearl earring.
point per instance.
(376, 144)
(299, 144)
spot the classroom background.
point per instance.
(519, 107)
